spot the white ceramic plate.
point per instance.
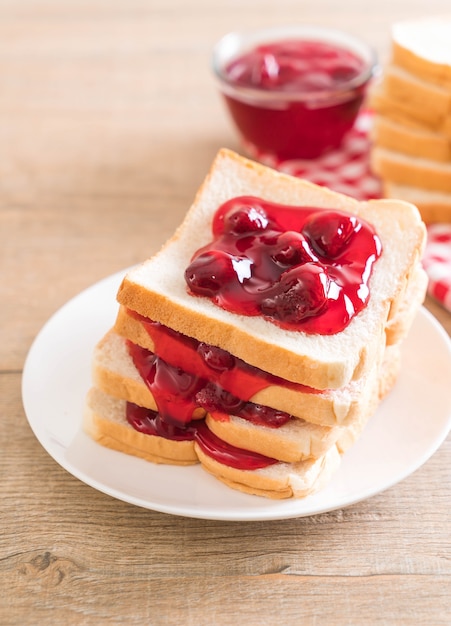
(407, 429)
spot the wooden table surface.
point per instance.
(109, 119)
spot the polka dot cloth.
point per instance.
(347, 171)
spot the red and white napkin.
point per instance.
(437, 263)
(348, 171)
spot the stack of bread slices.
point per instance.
(412, 126)
(325, 386)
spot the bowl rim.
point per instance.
(234, 43)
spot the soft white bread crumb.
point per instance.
(327, 407)
(156, 289)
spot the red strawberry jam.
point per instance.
(229, 455)
(294, 97)
(179, 394)
(303, 268)
(210, 362)
(148, 422)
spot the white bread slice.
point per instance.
(293, 442)
(422, 47)
(432, 99)
(104, 421)
(434, 206)
(282, 480)
(411, 171)
(157, 290)
(115, 374)
(410, 139)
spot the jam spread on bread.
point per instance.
(210, 362)
(181, 395)
(302, 268)
(188, 385)
(149, 422)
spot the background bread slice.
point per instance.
(410, 139)
(156, 289)
(435, 206)
(104, 421)
(421, 46)
(412, 171)
(385, 104)
(402, 86)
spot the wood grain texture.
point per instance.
(109, 119)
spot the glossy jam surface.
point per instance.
(295, 65)
(179, 394)
(295, 128)
(303, 268)
(148, 422)
(210, 362)
(227, 454)
(173, 389)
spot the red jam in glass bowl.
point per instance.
(293, 92)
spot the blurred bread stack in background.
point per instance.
(412, 123)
